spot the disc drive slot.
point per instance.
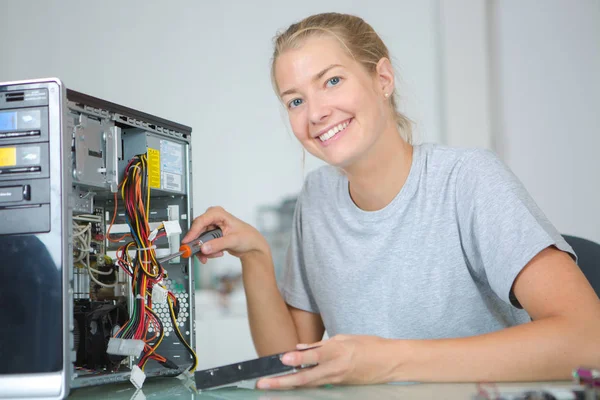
(25, 161)
(25, 125)
(25, 219)
(26, 192)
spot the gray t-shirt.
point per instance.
(439, 261)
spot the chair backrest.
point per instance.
(588, 259)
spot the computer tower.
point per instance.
(92, 194)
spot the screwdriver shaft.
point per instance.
(170, 257)
(189, 249)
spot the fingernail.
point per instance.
(301, 346)
(207, 248)
(288, 358)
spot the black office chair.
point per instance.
(588, 255)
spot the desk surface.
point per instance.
(173, 388)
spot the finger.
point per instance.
(305, 357)
(221, 244)
(204, 258)
(213, 216)
(308, 377)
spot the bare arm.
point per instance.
(564, 334)
(271, 324)
(275, 326)
(309, 326)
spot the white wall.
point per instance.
(524, 82)
(546, 58)
(465, 71)
(206, 64)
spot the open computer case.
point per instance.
(92, 194)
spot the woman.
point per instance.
(422, 262)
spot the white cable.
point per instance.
(84, 237)
(98, 282)
(146, 248)
(81, 231)
(100, 272)
(87, 218)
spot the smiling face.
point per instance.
(337, 109)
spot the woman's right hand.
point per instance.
(239, 238)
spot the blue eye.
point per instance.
(334, 81)
(294, 103)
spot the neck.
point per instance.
(379, 176)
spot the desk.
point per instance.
(172, 388)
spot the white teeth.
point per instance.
(330, 133)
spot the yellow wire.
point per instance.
(143, 255)
(147, 187)
(152, 252)
(181, 336)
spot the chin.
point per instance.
(340, 156)
(341, 161)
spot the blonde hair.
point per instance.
(356, 36)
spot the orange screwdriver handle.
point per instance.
(189, 249)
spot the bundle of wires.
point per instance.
(144, 269)
(82, 242)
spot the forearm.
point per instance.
(271, 325)
(547, 349)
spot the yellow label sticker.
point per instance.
(8, 156)
(154, 168)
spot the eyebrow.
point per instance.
(315, 78)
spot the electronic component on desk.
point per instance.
(237, 373)
(71, 167)
(576, 392)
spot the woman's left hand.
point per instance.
(343, 359)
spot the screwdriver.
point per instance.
(189, 249)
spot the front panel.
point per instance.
(34, 240)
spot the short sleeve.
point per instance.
(501, 227)
(293, 283)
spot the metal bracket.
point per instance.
(113, 154)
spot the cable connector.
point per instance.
(138, 395)
(153, 235)
(137, 377)
(172, 228)
(125, 347)
(159, 294)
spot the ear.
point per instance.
(385, 76)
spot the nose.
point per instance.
(319, 111)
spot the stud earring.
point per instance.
(386, 95)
